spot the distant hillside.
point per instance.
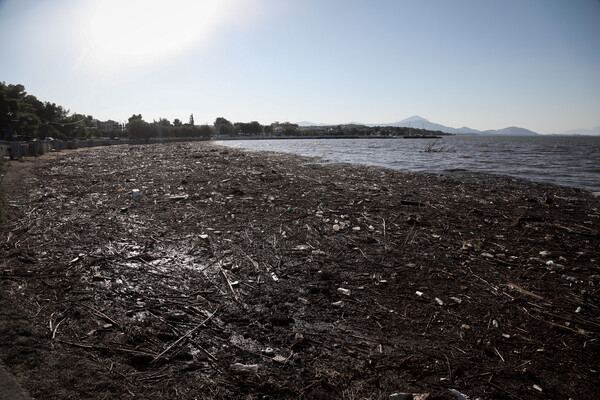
(510, 131)
(586, 132)
(421, 123)
(418, 122)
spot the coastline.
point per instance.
(248, 251)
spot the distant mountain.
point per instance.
(307, 123)
(587, 132)
(510, 131)
(421, 123)
(418, 122)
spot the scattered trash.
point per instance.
(338, 304)
(420, 294)
(356, 228)
(487, 255)
(136, 193)
(538, 388)
(459, 395)
(203, 236)
(578, 310)
(336, 227)
(544, 253)
(178, 197)
(495, 323)
(268, 352)
(280, 359)
(439, 301)
(238, 367)
(409, 396)
(124, 210)
(456, 300)
(570, 278)
(465, 326)
(274, 277)
(414, 219)
(345, 292)
(302, 247)
(303, 300)
(506, 335)
(549, 263)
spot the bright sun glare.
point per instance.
(126, 32)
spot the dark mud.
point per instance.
(251, 275)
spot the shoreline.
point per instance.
(245, 273)
(454, 156)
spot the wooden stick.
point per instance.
(228, 283)
(186, 335)
(523, 291)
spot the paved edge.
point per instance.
(10, 389)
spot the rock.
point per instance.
(345, 292)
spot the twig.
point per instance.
(90, 347)
(499, 355)
(523, 291)
(101, 314)
(449, 368)
(228, 283)
(56, 328)
(186, 335)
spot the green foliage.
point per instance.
(164, 122)
(224, 127)
(249, 129)
(140, 129)
(24, 117)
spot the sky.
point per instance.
(485, 64)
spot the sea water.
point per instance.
(562, 160)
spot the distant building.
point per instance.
(109, 126)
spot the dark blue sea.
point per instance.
(562, 160)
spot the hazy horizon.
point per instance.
(485, 65)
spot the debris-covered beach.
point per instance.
(195, 271)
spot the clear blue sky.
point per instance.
(480, 63)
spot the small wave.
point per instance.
(457, 170)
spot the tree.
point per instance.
(139, 129)
(164, 122)
(177, 122)
(224, 127)
(192, 119)
(135, 118)
(205, 132)
(252, 128)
